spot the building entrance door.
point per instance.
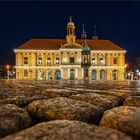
(72, 74)
(58, 74)
(40, 75)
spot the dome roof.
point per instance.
(71, 46)
(70, 23)
(85, 47)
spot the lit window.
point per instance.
(115, 61)
(71, 30)
(48, 60)
(25, 60)
(93, 61)
(71, 60)
(101, 61)
(57, 61)
(25, 73)
(39, 60)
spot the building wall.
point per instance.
(64, 65)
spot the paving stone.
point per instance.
(13, 119)
(132, 101)
(64, 108)
(124, 118)
(99, 100)
(67, 130)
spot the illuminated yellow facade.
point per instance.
(51, 59)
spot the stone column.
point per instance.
(98, 74)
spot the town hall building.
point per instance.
(70, 58)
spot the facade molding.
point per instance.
(67, 66)
(70, 50)
(37, 51)
(108, 51)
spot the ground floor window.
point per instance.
(25, 73)
(93, 74)
(102, 75)
(115, 74)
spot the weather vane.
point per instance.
(70, 17)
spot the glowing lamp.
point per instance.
(7, 66)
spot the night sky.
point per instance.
(21, 21)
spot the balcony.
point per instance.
(68, 63)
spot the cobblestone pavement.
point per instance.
(69, 110)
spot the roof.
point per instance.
(56, 44)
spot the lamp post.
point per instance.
(129, 75)
(125, 72)
(8, 72)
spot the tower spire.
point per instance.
(83, 29)
(83, 35)
(95, 36)
(95, 30)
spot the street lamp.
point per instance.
(129, 75)
(7, 69)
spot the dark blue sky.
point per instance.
(116, 21)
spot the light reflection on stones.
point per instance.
(103, 94)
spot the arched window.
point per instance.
(71, 31)
(57, 74)
(40, 74)
(102, 75)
